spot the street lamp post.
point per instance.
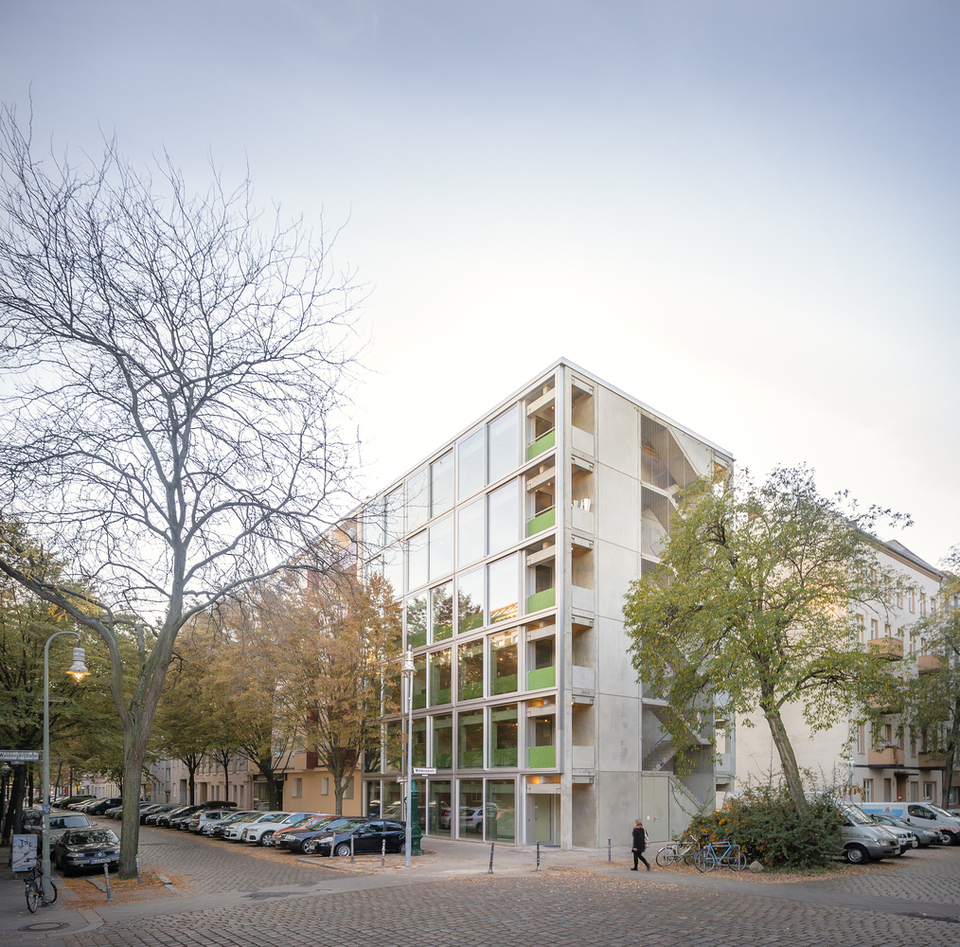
(408, 670)
(78, 672)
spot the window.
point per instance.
(503, 662)
(418, 560)
(470, 739)
(868, 790)
(393, 569)
(441, 484)
(417, 620)
(470, 531)
(502, 517)
(325, 786)
(441, 548)
(470, 601)
(393, 515)
(504, 585)
(861, 739)
(874, 628)
(374, 532)
(418, 500)
(443, 741)
(420, 682)
(420, 742)
(440, 677)
(860, 632)
(912, 600)
(297, 791)
(503, 444)
(470, 679)
(503, 735)
(442, 611)
(923, 604)
(470, 465)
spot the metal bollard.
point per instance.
(383, 853)
(106, 878)
(331, 850)
(351, 849)
(538, 856)
(139, 879)
(609, 851)
(490, 869)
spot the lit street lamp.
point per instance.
(78, 671)
(408, 670)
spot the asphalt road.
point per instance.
(224, 895)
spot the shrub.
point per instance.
(766, 825)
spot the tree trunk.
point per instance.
(791, 771)
(14, 815)
(951, 756)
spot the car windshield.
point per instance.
(248, 817)
(938, 810)
(274, 817)
(856, 816)
(93, 837)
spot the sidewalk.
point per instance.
(442, 858)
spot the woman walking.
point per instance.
(639, 844)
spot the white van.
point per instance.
(923, 814)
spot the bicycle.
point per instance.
(682, 850)
(726, 854)
(33, 889)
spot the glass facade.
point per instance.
(470, 670)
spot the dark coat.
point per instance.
(639, 838)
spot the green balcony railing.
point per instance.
(505, 757)
(470, 690)
(545, 599)
(541, 677)
(505, 684)
(545, 520)
(542, 757)
(542, 444)
(470, 759)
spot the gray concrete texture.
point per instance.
(237, 896)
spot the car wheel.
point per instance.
(263, 838)
(307, 847)
(856, 855)
(343, 849)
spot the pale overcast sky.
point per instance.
(742, 212)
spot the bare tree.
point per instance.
(175, 377)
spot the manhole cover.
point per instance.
(43, 927)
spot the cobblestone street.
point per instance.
(236, 896)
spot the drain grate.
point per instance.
(43, 927)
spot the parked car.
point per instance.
(366, 837)
(305, 823)
(198, 820)
(234, 831)
(62, 823)
(151, 817)
(925, 837)
(216, 829)
(261, 831)
(300, 840)
(85, 848)
(218, 804)
(863, 839)
(167, 818)
(100, 806)
(66, 801)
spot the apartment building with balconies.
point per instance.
(892, 763)
(511, 547)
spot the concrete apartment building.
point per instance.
(512, 546)
(846, 755)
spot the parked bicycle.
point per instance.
(724, 854)
(680, 850)
(33, 889)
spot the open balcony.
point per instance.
(888, 756)
(930, 662)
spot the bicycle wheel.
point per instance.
(738, 861)
(53, 893)
(32, 893)
(667, 856)
(703, 860)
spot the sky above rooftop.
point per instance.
(744, 213)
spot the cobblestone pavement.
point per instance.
(232, 896)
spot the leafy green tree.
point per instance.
(932, 705)
(174, 373)
(750, 610)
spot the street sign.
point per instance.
(19, 756)
(424, 771)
